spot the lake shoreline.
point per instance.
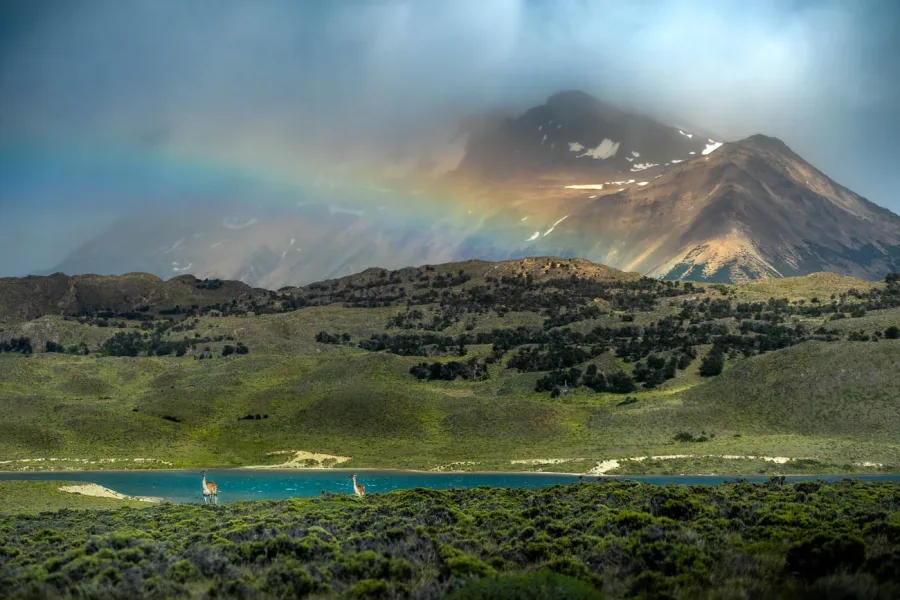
(350, 470)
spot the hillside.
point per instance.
(31, 297)
(559, 364)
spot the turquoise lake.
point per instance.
(268, 484)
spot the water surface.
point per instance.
(272, 484)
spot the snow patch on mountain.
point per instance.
(585, 186)
(643, 166)
(687, 135)
(605, 149)
(552, 227)
(534, 236)
(635, 154)
(712, 147)
(575, 147)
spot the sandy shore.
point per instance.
(302, 459)
(92, 489)
(315, 461)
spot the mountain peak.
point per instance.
(767, 142)
(570, 98)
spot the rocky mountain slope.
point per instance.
(574, 133)
(750, 209)
(572, 177)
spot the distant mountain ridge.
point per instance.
(574, 176)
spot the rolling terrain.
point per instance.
(467, 366)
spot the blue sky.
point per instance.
(276, 77)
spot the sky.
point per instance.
(108, 107)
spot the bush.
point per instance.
(634, 539)
(825, 554)
(712, 364)
(369, 588)
(542, 585)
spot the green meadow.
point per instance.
(832, 406)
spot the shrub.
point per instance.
(369, 588)
(712, 364)
(825, 554)
(542, 585)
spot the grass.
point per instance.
(816, 285)
(836, 403)
(34, 497)
(832, 402)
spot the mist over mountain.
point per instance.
(574, 177)
(120, 115)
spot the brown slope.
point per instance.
(768, 212)
(749, 209)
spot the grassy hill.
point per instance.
(799, 381)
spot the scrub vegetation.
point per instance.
(608, 539)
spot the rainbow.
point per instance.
(71, 171)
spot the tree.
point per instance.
(892, 332)
(242, 349)
(712, 364)
(228, 350)
(621, 383)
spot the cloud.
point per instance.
(283, 83)
(341, 72)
